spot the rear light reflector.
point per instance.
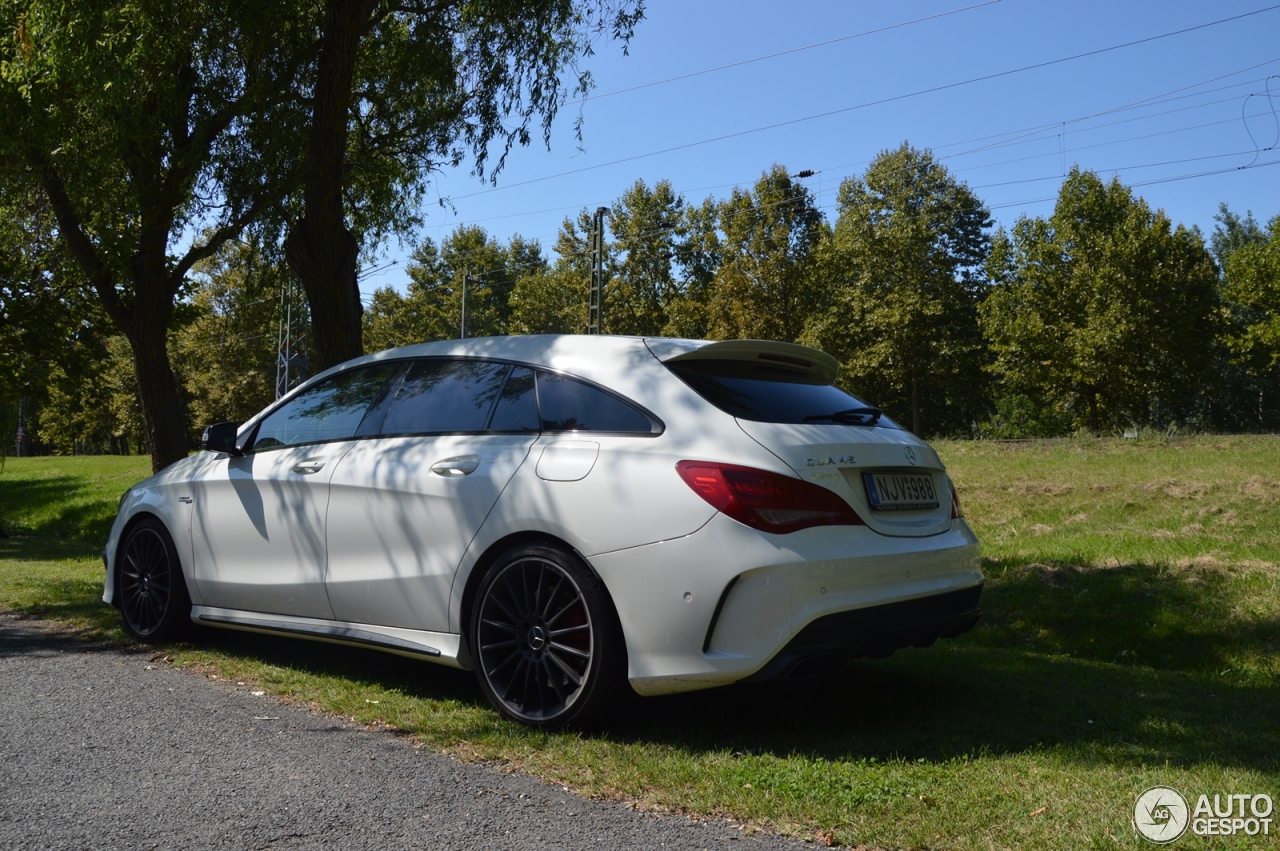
(956, 511)
(766, 501)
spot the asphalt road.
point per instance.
(98, 751)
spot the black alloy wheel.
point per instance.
(547, 646)
(152, 591)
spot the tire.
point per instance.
(150, 585)
(546, 641)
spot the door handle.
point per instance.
(457, 466)
(308, 467)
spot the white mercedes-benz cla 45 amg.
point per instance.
(565, 515)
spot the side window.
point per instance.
(444, 396)
(332, 410)
(570, 405)
(518, 404)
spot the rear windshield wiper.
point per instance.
(849, 416)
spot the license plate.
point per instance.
(900, 491)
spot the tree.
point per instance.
(904, 275)
(1104, 310)
(227, 346)
(646, 226)
(431, 308)
(1233, 233)
(140, 123)
(764, 287)
(551, 300)
(698, 255)
(401, 88)
(1252, 286)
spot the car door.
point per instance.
(258, 520)
(403, 508)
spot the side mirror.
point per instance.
(221, 437)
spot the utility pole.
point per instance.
(595, 314)
(290, 363)
(466, 280)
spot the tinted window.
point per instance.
(332, 410)
(518, 404)
(569, 405)
(765, 393)
(444, 396)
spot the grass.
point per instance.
(1130, 638)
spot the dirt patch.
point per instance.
(1041, 529)
(1076, 518)
(1261, 489)
(1191, 529)
(1180, 490)
(1039, 489)
(1202, 562)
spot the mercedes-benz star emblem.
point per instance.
(911, 455)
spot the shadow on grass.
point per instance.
(58, 503)
(990, 692)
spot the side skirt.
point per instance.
(440, 647)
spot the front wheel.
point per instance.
(548, 648)
(152, 590)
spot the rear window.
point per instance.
(768, 393)
(569, 405)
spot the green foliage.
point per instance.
(227, 350)
(549, 301)
(1253, 284)
(765, 286)
(903, 276)
(93, 409)
(431, 309)
(1103, 310)
(645, 225)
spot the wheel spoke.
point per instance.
(508, 643)
(564, 648)
(510, 657)
(511, 616)
(553, 677)
(555, 633)
(552, 597)
(574, 676)
(505, 627)
(515, 675)
(563, 611)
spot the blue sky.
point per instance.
(1173, 107)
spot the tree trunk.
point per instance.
(320, 247)
(148, 335)
(915, 406)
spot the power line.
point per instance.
(742, 62)
(878, 102)
(1027, 137)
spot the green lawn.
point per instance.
(1131, 637)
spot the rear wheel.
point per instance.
(153, 593)
(546, 641)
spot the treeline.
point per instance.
(1103, 316)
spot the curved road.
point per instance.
(98, 751)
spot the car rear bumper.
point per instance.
(729, 603)
(873, 633)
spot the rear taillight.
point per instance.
(766, 501)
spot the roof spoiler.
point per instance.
(817, 365)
